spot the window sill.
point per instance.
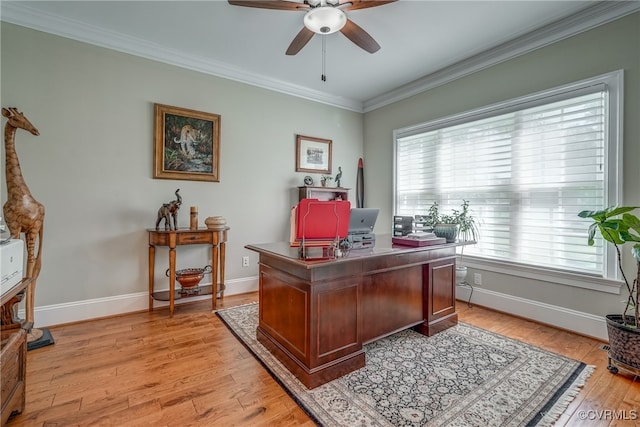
(546, 275)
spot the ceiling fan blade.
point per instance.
(361, 4)
(271, 4)
(300, 41)
(359, 36)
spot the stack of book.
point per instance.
(419, 239)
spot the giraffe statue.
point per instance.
(22, 213)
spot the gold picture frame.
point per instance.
(186, 144)
(313, 154)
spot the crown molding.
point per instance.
(20, 13)
(596, 15)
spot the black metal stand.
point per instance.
(614, 367)
(45, 340)
(467, 284)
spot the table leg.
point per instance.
(223, 245)
(30, 302)
(172, 279)
(152, 262)
(214, 272)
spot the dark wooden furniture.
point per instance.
(217, 238)
(12, 296)
(13, 368)
(315, 316)
(13, 353)
(323, 193)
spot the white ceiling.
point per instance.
(420, 40)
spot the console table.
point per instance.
(315, 316)
(217, 238)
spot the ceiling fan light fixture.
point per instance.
(325, 20)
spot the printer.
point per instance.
(11, 263)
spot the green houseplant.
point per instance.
(464, 224)
(618, 226)
(460, 225)
(467, 224)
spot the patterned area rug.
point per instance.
(464, 376)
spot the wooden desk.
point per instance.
(315, 316)
(13, 353)
(173, 238)
(13, 295)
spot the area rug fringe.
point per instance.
(564, 400)
(492, 380)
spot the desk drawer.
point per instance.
(13, 366)
(181, 237)
(383, 263)
(188, 238)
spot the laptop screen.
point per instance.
(362, 220)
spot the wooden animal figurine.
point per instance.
(22, 213)
(168, 211)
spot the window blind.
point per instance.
(526, 173)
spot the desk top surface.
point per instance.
(383, 246)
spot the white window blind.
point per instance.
(526, 169)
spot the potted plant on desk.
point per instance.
(460, 225)
(618, 227)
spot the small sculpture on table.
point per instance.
(338, 176)
(168, 211)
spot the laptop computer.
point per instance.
(362, 220)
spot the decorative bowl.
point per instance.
(215, 222)
(189, 278)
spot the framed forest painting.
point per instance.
(186, 144)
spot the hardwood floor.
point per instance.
(146, 369)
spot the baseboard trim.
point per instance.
(77, 311)
(572, 320)
(560, 317)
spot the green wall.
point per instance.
(92, 164)
(610, 47)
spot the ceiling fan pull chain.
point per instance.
(324, 54)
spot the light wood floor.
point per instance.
(145, 369)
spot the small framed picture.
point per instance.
(186, 144)
(313, 154)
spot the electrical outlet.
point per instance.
(477, 279)
(245, 261)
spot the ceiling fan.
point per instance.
(322, 17)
